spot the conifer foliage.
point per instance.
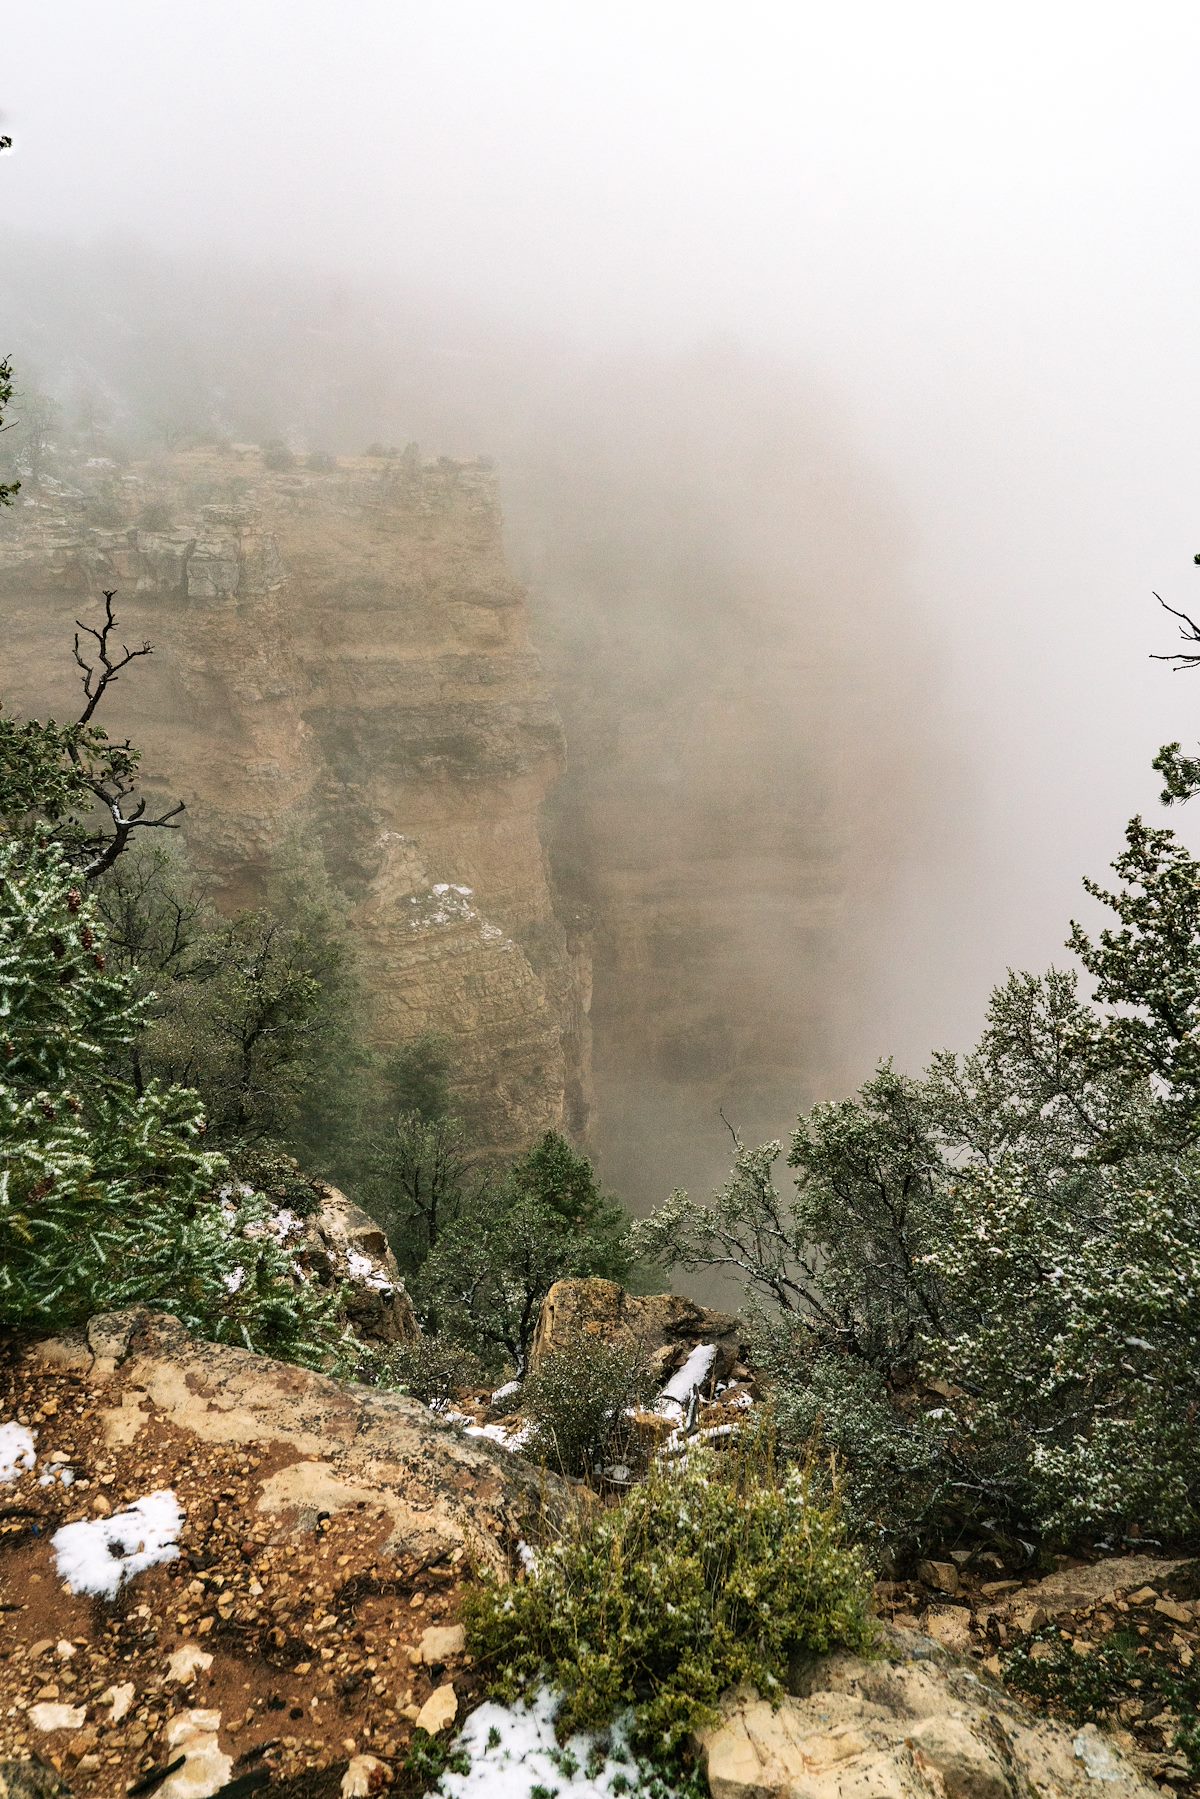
(107, 1195)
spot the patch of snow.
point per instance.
(367, 1273)
(234, 1279)
(17, 1453)
(496, 1433)
(64, 1475)
(693, 1374)
(508, 1391)
(98, 1555)
(527, 1557)
(514, 1753)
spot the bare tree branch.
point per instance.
(1181, 658)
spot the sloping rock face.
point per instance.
(301, 1610)
(664, 1325)
(918, 1725)
(342, 655)
(339, 1445)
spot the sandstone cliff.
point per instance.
(343, 653)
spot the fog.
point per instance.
(862, 335)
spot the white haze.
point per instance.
(972, 228)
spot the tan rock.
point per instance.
(439, 1710)
(437, 1489)
(354, 1251)
(1077, 1589)
(187, 1661)
(666, 1326)
(206, 1767)
(441, 1643)
(941, 1576)
(914, 1724)
(949, 1625)
(365, 1774)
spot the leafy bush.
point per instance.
(576, 1403)
(432, 1370)
(547, 1217)
(155, 516)
(107, 1197)
(277, 456)
(704, 1576)
(984, 1292)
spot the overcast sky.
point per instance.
(976, 224)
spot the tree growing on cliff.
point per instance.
(546, 1218)
(984, 1291)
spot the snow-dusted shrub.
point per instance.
(107, 1195)
(983, 1293)
(433, 1370)
(705, 1575)
(577, 1402)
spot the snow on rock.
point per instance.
(17, 1453)
(367, 1272)
(509, 1390)
(98, 1555)
(514, 1754)
(693, 1374)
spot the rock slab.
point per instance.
(914, 1724)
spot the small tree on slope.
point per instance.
(107, 1196)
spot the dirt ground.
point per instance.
(314, 1637)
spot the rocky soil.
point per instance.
(306, 1625)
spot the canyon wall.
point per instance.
(343, 654)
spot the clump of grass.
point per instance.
(576, 1404)
(719, 1571)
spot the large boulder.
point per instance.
(914, 1724)
(666, 1326)
(344, 1244)
(331, 1444)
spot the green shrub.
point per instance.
(705, 1575)
(432, 1370)
(576, 1405)
(1118, 1671)
(155, 516)
(107, 1196)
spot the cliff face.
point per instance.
(342, 653)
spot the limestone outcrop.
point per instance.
(914, 1724)
(666, 1326)
(335, 1445)
(342, 1243)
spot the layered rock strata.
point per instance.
(342, 656)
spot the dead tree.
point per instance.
(109, 770)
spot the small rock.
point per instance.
(1178, 1614)
(120, 1698)
(441, 1643)
(439, 1710)
(57, 1717)
(949, 1625)
(942, 1576)
(182, 1665)
(365, 1774)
